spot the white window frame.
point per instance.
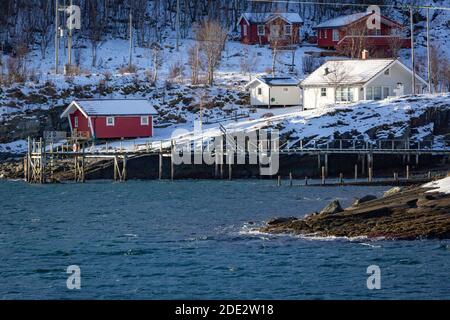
(345, 95)
(286, 27)
(263, 33)
(245, 30)
(112, 123)
(335, 34)
(145, 120)
(75, 122)
(323, 92)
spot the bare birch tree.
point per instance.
(336, 76)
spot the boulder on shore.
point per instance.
(364, 199)
(412, 213)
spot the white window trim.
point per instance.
(322, 90)
(259, 91)
(286, 27)
(263, 33)
(335, 35)
(145, 123)
(245, 29)
(75, 122)
(108, 124)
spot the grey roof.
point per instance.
(275, 81)
(255, 17)
(112, 107)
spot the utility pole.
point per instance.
(56, 36)
(412, 51)
(131, 39)
(178, 24)
(428, 50)
(69, 45)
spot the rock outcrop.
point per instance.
(409, 214)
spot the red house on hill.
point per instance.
(264, 28)
(109, 119)
(350, 35)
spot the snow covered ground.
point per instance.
(442, 186)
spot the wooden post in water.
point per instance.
(306, 181)
(279, 181)
(429, 174)
(160, 166)
(323, 175)
(290, 179)
(124, 169)
(115, 168)
(407, 172)
(356, 172)
(172, 165)
(395, 176)
(326, 165)
(341, 179)
(370, 174)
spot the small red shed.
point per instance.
(111, 119)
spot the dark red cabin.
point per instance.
(265, 28)
(348, 31)
(111, 119)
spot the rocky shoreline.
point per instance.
(416, 212)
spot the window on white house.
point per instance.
(110, 121)
(261, 30)
(377, 93)
(387, 72)
(144, 121)
(259, 91)
(386, 92)
(288, 30)
(285, 89)
(335, 35)
(75, 120)
(323, 92)
(245, 29)
(344, 94)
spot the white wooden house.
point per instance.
(353, 80)
(274, 92)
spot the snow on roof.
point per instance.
(275, 81)
(119, 107)
(348, 71)
(442, 186)
(255, 17)
(343, 20)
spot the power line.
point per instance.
(346, 4)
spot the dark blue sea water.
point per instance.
(191, 240)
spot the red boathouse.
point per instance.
(111, 119)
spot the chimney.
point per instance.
(365, 54)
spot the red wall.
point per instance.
(83, 125)
(124, 127)
(253, 38)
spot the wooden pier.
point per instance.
(41, 158)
